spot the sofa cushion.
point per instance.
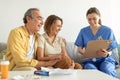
(3, 52)
(2, 49)
(73, 52)
(119, 51)
(2, 46)
(116, 55)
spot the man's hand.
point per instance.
(45, 64)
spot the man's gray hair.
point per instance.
(29, 13)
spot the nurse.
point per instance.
(95, 30)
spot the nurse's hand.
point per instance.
(102, 53)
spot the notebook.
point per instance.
(93, 46)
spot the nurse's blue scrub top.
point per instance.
(85, 35)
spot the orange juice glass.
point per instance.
(4, 69)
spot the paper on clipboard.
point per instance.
(93, 46)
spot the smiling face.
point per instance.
(36, 22)
(93, 19)
(53, 25)
(56, 27)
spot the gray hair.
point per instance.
(29, 13)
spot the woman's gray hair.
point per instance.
(29, 13)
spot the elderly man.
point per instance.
(23, 42)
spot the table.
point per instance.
(77, 75)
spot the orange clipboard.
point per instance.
(93, 46)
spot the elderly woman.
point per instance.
(52, 47)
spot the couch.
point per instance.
(72, 52)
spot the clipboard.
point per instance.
(93, 46)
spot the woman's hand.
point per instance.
(72, 65)
(103, 53)
(51, 62)
(56, 57)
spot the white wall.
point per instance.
(73, 13)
